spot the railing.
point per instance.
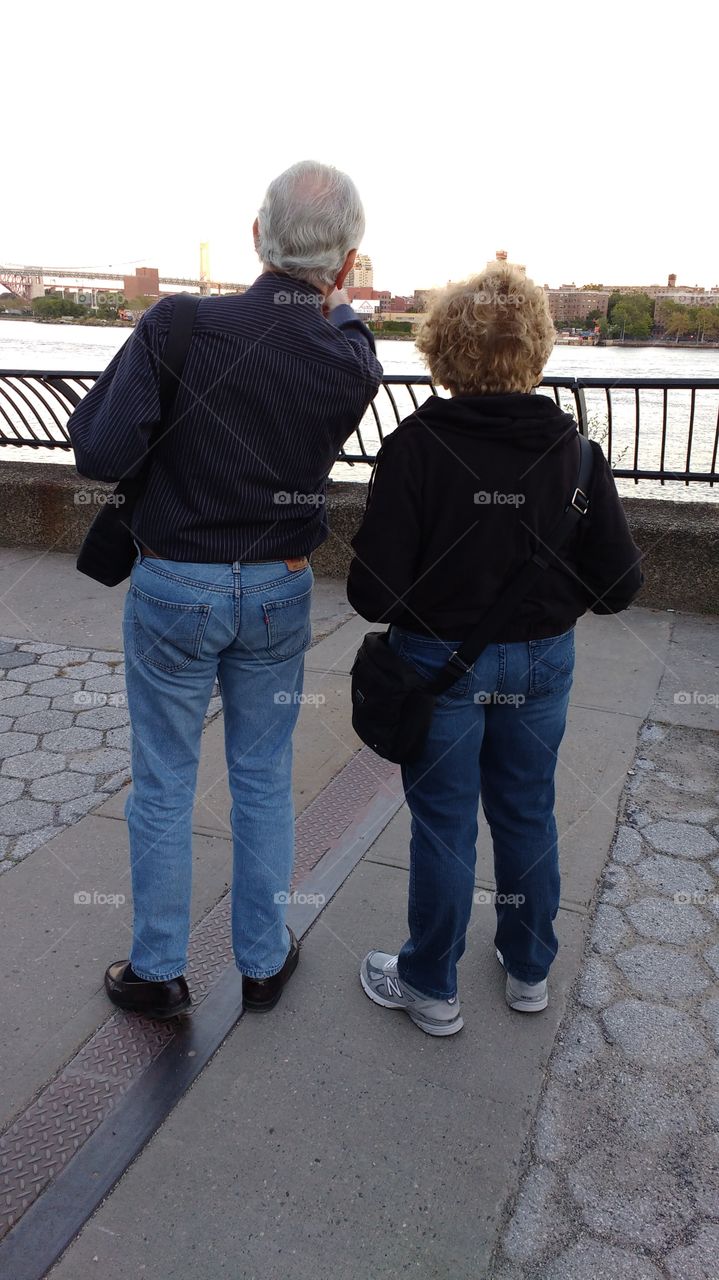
(652, 429)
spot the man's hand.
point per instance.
(337, 298)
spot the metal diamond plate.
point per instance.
(326, 819)
(38, 1145)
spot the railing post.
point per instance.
(582, 419)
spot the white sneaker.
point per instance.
(525, 997)
(381, 982)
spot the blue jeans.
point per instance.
(248, 626)
(496, 733)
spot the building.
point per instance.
(361, 275)
(571, 304)
(145, 283)
(365, 308)
(671, 289)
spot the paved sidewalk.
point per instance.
(64, 723)
(622, 1171)
(332, 1138)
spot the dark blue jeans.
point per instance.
(496, 733)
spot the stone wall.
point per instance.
(48, 505)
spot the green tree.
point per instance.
(614, 298)
(109, 310)
(711, 322)
(139, 304)
(54, 307)
(633, 316)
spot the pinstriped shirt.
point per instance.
(271, 390)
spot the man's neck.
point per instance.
(322, 290)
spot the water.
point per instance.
(605, 362)
(27, 345)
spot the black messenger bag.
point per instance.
(108, 551)
(392, 704)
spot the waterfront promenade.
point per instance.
(331, 1138)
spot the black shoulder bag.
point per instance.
(392, 705)
(108, 551)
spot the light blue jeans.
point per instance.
(185, 625)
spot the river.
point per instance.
(28, 345)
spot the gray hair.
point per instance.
(309, 220)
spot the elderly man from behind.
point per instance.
(275, 381)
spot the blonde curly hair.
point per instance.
(488, 335)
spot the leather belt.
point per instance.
(294, 565)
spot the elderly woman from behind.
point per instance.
(465, 491)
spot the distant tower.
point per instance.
(204, 268)
(501, 256)
(361, 276)
(672, 281)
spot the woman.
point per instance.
(464, 492)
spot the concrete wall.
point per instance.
(48, 505)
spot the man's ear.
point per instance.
(347, 266)
(256, 233)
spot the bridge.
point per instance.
(28, 282)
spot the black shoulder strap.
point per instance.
(178, 342)
(500, 613)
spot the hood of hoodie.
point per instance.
(525, 421)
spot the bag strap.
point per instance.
(171, 366)
(496, 617)
(176, 348)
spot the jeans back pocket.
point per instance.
(551, 662)
(429, 657)
(167, 635)
(289, 629)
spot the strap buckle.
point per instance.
(580, 501)
(457, 664)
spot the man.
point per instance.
(275, 381)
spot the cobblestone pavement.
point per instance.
(620, 1179)
(64, 739)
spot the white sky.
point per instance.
(580, 137)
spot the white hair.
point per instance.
(309, 220)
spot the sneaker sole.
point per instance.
(522, 1006)
(527, 1006)
(431, 1029)
(435, 1029)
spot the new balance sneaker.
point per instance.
(381, 982)
(525, 997)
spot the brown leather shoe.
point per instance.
(261, 994)
(152, 999)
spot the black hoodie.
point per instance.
(463, 492)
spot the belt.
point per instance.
(294, 565)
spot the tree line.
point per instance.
(636, 315)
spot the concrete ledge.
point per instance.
(680, 541)
(49, 505)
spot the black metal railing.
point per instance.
(658, 429)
